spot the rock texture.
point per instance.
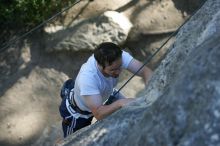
(188, 111)
(24, 114)
(87, 34)
(181, 104)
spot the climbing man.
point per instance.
(93, 92)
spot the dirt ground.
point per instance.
(31, 78)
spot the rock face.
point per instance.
(87, 34)
(188, 111)
(181, 104)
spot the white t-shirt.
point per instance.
(91, 81)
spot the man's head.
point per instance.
(108, 55)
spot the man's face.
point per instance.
(113, 70)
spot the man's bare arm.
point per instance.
(94, 102)
(145, 72)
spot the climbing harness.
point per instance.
(67, 93)
(74, 106)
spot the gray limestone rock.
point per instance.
(188, 112)
(87, 34)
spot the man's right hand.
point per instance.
(94, 102)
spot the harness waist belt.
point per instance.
(74, 105)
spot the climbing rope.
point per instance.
(149, 59)
(6, 45)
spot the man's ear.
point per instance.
(101, 68)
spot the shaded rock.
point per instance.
(87, 34)
(187, 6)
(25, 110)
(152, 17)
(143, 46)
(154, 21)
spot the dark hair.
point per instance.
(106, 53)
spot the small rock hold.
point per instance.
(217, 113)
(162, 82)
(215, 137)
(20, 138)
(184, 14)
(164, 17)
(8, 125)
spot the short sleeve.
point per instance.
(88, 86)
(126, 59)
